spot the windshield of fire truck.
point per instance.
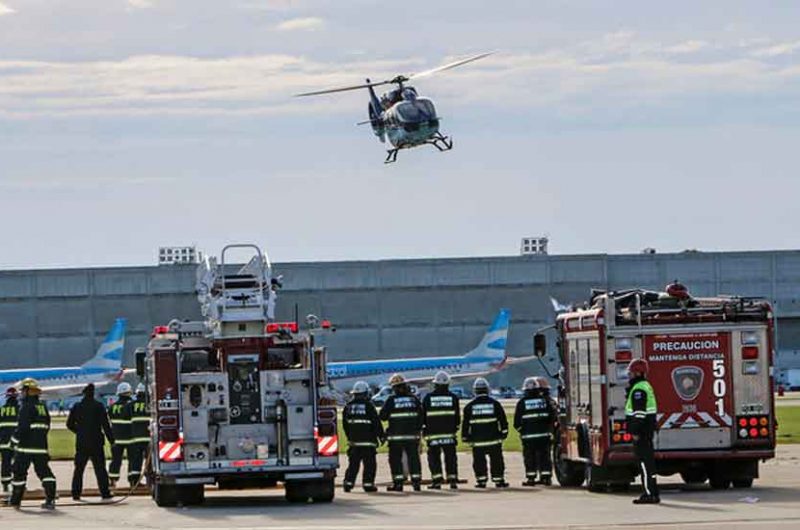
(283, 357)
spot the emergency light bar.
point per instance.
(275, 327)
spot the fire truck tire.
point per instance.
(743, 483)
(569, 474)
(322, 490)
(694, 476)
(719, 482)
(191, 495)
(296, 491)
(593, 479)
(164, 495)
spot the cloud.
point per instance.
(141, 4)
(689, 46)
(775, 50)
(5, 10)
(301, 24)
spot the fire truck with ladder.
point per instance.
(239, 400)
(710, 365)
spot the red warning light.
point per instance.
(743, 422)
(753, 432)
(627, 437)
(326, 324)
(753, 422)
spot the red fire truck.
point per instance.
(710, 366)
(239, 400)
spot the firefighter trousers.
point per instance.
(41, 466)
(411, 450)
(118, 451)
(646, 458)
(6, 471)
(536, 454)
(356, 455)
(136, 454)
(497, 465)
(450, 462)
(98, 459)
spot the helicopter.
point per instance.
(401, 115)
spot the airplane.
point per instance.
(102, 369)
(488, 356)
(558, 307)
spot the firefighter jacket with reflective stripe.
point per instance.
(362, 425)
(120, 415)
(535, 416)
(484, 422)
(32, 428)
(140, 421)
(641, 407)
(404, 414)
(441, 416)
(9, 414)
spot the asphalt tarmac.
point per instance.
(774, 500)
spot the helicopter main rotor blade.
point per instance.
(448, 66)
(341, 89)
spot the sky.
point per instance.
(126, 125)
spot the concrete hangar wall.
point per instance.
(381, 308)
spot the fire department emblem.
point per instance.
(687, 381)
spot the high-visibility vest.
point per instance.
(651, 407)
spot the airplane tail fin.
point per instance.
(493, 343)
(109, 354)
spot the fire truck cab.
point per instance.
(710, 364)
(238, 400)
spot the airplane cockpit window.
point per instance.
(415, 111)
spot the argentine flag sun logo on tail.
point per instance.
(109, 354)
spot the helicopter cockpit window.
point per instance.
(415, 111)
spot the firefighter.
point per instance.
(441, 418)
(120, 415)
(140, 435)
(30, 444)
(534, 419)
(364, 432)
(89, 421)
(485, 427)
(9, 413)
(403, 411)
(640, 414)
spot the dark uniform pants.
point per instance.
(98, 458)
(6, 471)
(117, 452)
(497, 464)
(645, 454)
(537, 457)
(136, 453)
(435, 451)
(411, 450)
(41, 466)
(355, 456)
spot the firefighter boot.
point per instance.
(547, 481)
(17, 493)
(435, 484)
(417, 485)
(370, 489)
(501, 484)
(480, 484)
(396, 486)
(347, 487)
(647, 499)
(531, 482)
(454, 484)
(50, 495)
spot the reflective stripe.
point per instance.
(6, 477)
(367, 484)
(497, 479)
(437, 475)
(483, 420)
(416, 476)
(14, 440)
(363, 444)
(530, 474)
(403, 437)
(441, 413)
(481, 478)
(5, 446)
(484, 444)
(123, 442)
(535, 415)
(368, 422)
(141, 440)
(403, 415)
(39, 426)
(121, 422)
(49, 479)
(17, 484)
(142, 419)
(439, 436)
(31, 451)
(541, 435)
(398, 477)
(8, 424)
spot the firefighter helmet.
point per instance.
(480, 386)
(124, 389)
(441, 378)
(543, 383)
(397, 379)
(361, 387)
(638, 366)
(30, 385)
(140, 388)
(530, 383)
(11, 391)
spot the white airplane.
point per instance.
(104, 368)
(489, 356)
(558, 307)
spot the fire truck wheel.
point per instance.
(593, 479)
(322, 490)
(192, 494)
(743, 483)
(165, 495)
(719, 483)
(569, 474)
(694, 476)
(296, 491)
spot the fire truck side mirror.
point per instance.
(539, 345)
(140, 355)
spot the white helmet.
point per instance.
(140, 388)
(480, 385)
(124, 389)
(441, 378)
(361, 387)
(530, 383)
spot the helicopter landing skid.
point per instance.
(439, 141)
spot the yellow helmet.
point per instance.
(397, 379)
(30, 385)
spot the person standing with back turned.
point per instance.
(89, 421)
(441, 419)
(640, 413)
(121, 413)
(485, 427)
(9, 413)
(364, 432)
(403, 411)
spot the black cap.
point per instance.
(88, 389)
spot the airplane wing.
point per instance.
(518, 360)
(453, 377)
